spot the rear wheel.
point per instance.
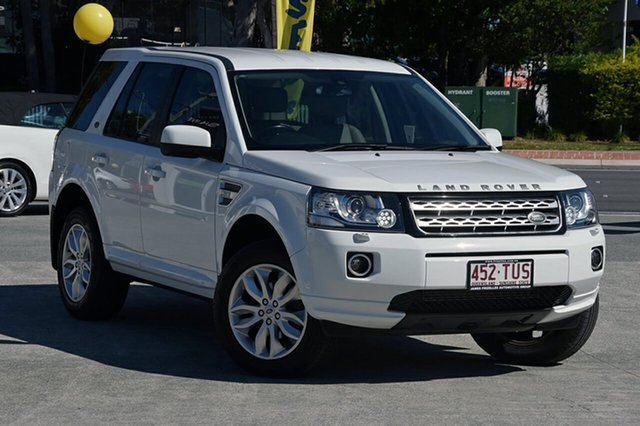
(16, 189)
(90, 289)
(261, 317)
(540, 347)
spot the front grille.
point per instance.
(479, 301)
(482, 215)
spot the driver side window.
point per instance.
(196, 103)
(141, 102)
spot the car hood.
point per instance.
(402, 171)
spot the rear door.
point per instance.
(117, 160)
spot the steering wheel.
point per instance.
(277, 129)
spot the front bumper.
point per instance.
(403, 264)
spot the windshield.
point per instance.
(347, 110)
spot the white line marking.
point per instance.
(631, 214)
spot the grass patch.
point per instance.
(576, 145)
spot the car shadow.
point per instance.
(162, 332)
(621, 228)
(36, 209)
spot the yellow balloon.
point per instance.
(93, 23)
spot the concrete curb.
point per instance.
(581, 158)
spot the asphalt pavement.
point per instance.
(160, 362)
(617, 190)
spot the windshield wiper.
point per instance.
(366, 147)
(379, 146)
(457, 148)
(354, 147)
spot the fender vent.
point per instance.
(228, 192)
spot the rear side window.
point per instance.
(93, 94)
(141, 102)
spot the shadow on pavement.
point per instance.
(621, 228)
(36, 209)
(165, 333)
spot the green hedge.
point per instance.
(595, 93)
(616, 92)
(569, 97)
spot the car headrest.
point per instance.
(268, 99)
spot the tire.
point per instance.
(549, 348)
(16, 189)
(96, 292)
(261, 333)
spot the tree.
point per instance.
(248, 15)
(559, 28)
(448, 38)
(456, 40)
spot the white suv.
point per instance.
(310, 195)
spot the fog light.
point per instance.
(597, 258)
(359, 265)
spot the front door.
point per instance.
(178, 199)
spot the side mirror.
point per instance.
(187, 141)
(494, 137)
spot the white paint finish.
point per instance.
(184, 135)
(403, 266)
(358, 313)
(108, 170)
(281, 202)
(246, 59)
(32, 146)
(394, 171)
(178, 211)
(118, 186)
(492, 136)
(184, 229)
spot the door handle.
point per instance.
(155, 172)
(100, 159)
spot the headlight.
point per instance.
(579, 208)
(354, 210)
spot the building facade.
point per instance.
(616, 16)
(136, 23)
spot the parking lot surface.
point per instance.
(160, 362)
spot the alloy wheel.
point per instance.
(265, 312)
(76, 263)
(13, 190)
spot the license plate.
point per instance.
(500, 274)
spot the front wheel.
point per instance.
(540, 347)
(260, 315)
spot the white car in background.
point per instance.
(28, 126)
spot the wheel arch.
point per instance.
(246, 230)
(71, 197)
(31, 175)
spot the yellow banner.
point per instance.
(294, 21)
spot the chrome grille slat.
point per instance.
(460, 215)
(516, 204)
